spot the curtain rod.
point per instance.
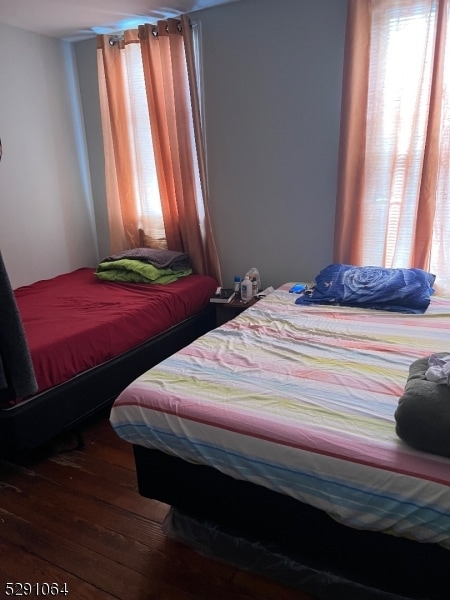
(116, 38)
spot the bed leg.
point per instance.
(80, 441)
(70, 441)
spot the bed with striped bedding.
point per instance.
(301, 400)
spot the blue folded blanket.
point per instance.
(398, 290)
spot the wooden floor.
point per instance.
(75, 517)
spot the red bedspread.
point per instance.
(74, 322)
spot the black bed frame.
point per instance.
(319, 556)
(44, 416)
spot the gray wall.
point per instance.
(46, 215)
(272, 80)
(86, 59)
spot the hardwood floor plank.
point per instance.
(27, 487)
(102, 529)
(68, 473)
(100, 430)
(82, 460)
(18, 565)
(195, 572)
(53, 516)
(107, 575)
(77, 517)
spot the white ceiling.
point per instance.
(79, 19)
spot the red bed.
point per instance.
(89, 338)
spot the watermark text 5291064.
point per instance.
(36, 589)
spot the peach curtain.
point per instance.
(120, 190)
(392, 202)
(176, 140)
(347, 239)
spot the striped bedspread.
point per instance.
(302, 400)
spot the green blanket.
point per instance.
(136, 271)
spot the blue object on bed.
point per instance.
(398, 290)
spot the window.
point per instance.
(398, 104)
(393, 200)
(155, 175)
(146, 183)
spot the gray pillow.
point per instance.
(423, 412)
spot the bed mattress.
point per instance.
(301, 400)
(74, 322)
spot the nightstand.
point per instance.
(226, 312)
